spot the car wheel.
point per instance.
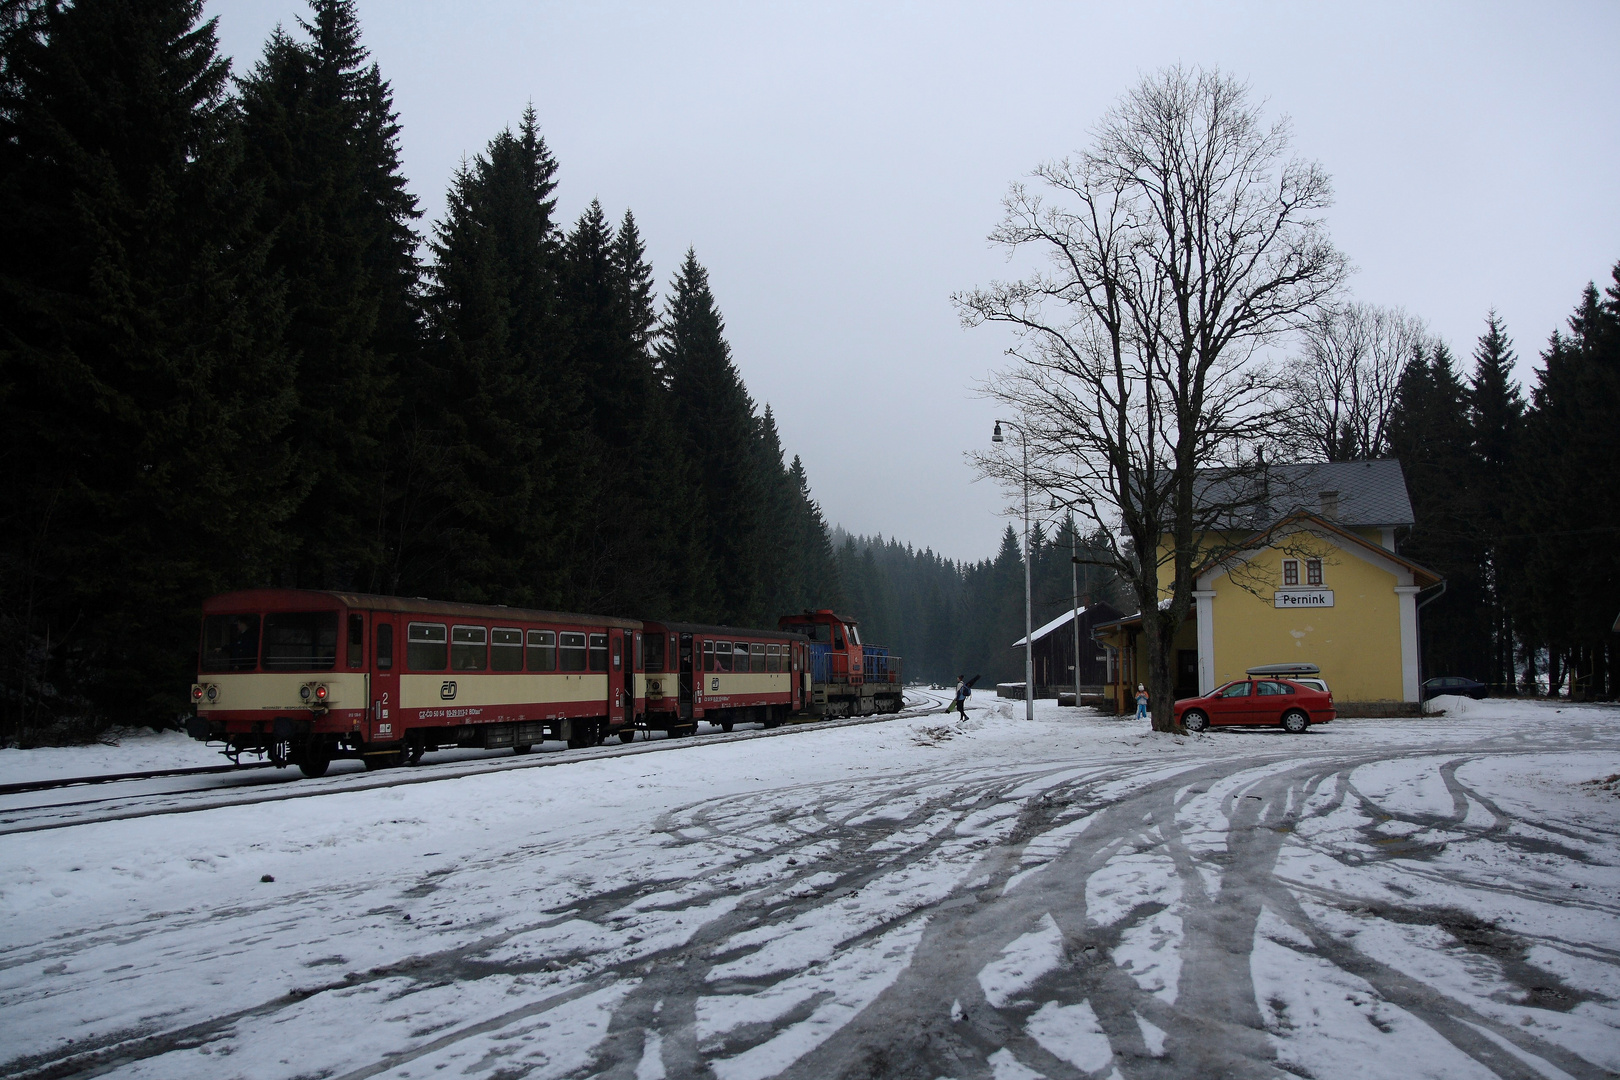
(1194, 720)
(1295, 722)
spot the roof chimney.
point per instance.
(1330, 503)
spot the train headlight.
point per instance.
(197, 692)
(305, 691)
(321, 692)
(212, 693)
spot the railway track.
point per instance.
(114, 778)
(116, 807)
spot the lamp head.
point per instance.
(996, 436)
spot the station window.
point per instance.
(1290, 571)
(598, 652)
(1313, 571)
(230, 643)
(708, 656)
(506, 650)
(655, 652)
(722, 656)
(427, 646)
(756, 657)
(300, 641)
(469, 648)
(571, 652)
(542, 650)
(357, 640)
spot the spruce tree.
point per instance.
(1496, 413)
(492, 411)
(1566, 504)
(1432, 437)
(606, 294)
(145, 391)
(715, 421)
(323, 143)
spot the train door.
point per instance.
(387, 722)
(797, 683)
(634, 681)
(685, 708)
(618, 672)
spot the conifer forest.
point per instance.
(234, 354)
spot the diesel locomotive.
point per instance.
(305, 677)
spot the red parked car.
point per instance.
(1293, 706)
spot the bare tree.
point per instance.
(1182, 243)
(1341, 391)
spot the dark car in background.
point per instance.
(1285, 703)
(1453, 684)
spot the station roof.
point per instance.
(1066, 618)
(1356, 494)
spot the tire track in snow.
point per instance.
(859, 861)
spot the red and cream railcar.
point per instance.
(722, 674)
(307, 676)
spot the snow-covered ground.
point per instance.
(924, 897)
(134, 750)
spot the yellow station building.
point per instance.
(1320, 583)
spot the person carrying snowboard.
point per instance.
(964, 690)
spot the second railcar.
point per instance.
(723, 674)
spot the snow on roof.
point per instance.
(1062, 620)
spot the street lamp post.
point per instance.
(1029, 644)
(1074, 569)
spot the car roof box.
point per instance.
(1285, 669)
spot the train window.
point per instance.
(655, 652)
(838, 637)
(571, 652)
(469, 648)
(854, 634)
(357, 641)
(722, 656)
(773, 658)
(820, 632)
(542, 650)
(598, 652)
(638, 657)
(708, 656)
(618, 651)
(230, 643)
(300, 641)
(384, 634)
(506, 650)
(756, 659)
(427, 647)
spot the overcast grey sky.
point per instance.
(837, 167)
